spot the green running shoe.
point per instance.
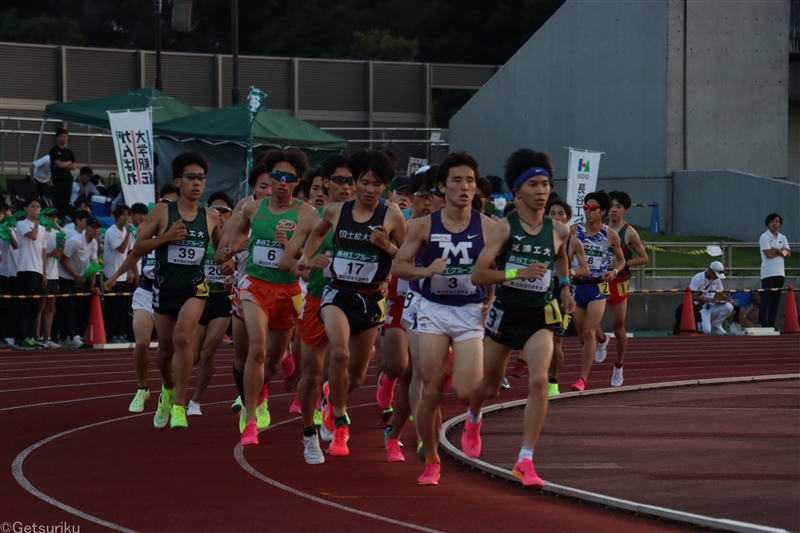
(242, 420)
(262, 415)
(178, 417)
(410, 418)
(28, 345)
(137, 404)
(421, 452)
(317, 417)
(552, 389)
(237, 405)
(165, 401)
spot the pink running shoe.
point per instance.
(431, 474)
(295, 407)
(327, 412)
(287, 369)
(527, 474)
(518, 369)
(393, 452)
(339, 444)
(385, 393)
(471, 439)
(250, 434)
(578, 385)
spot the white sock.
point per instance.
(525, 453)
(472, 418)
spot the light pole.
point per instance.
(235, 50)
(157, 4)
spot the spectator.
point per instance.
(83, 187)
(99, 184)
(8, 273)
(138, 214)
(118, 241)
(79, 253)
(62, 163)
(31, 271)
(716, 307)
(745, 310)
(401, 194)
(83, 209)
(47, 308)
(774, 248)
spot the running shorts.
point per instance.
(457, 322)
(618, 292)
(281, 303)
(218, 305)
(363, 310)
(312, 330)
(584, 294)
(170, 301)
(513, 327)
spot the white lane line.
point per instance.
(238, 453)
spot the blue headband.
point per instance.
(528, 174)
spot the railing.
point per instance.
(727, 256)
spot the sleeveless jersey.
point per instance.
(321, 277)
(454, 287)
(357, 264)
(262, 261)
(596, 249)
(627, 253)
(214, 277)
(523, 250)
(148, 264)
(179, 265)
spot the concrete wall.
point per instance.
(733, 204)
(737, 75)
(793, 173)
(594, 77)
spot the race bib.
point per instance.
(402, 287)
(454, 282)
(184, 254)
(493, 320)
(213, 275)
(359, 267)
(534, 285)
(267, 256)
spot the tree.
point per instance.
(40, 30)
(381, 45)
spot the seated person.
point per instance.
(745, 310)
(82, 186)
(715, 307)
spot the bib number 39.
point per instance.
(185, 255)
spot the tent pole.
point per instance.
(39, 142)
(235, 50)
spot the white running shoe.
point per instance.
(311, 450)
(719, 329)
(325, 434)
(616, 377)
(600, 353)
(77, 341)
(193, 409)
(52, 345)
(734, 328)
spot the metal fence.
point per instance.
(727, 256)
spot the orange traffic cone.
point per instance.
(791, 323)
(96, 334)
(688, 324)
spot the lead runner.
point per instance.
(529, 248)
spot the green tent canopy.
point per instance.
(232, 124)
(93, 112)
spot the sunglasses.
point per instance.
(427, 195)
(286, 177)
(591, 207)
(164, 201)
(191, 176)
(222, 209)
(342, 180)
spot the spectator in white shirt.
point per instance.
(8, 273)
(79, 253)
(75, 228)
(31, 271)
(47, 308)
(117, 245)
(716, 306)
(83, 186)
(774, 248)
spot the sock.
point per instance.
(238, 378)
(553, 380)
(310, 432)
(525, 453)
(618, 365)
(432, 459)
(339, 421)
(472, 418)
(144, 388)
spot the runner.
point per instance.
(216, 317)
(270, 300)
(451, 308)
(367, 233)
(591, 292)
(179, 233)
(142, 307)
(336, 178)
(618, 289)
(560, 211)
(529, 249)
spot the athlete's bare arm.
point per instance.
(213, 222)
(634, 242)
(403, 265)
(294, 248)
(576, 251)
(330, 218)
(486, 225)
(613, 243)
(156, 226)
(128, 264)
(391, 235)
(495, 240)
(561, 235)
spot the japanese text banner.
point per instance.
(582, 179)
(132, 132)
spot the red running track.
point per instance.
(66, 435)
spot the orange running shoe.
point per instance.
(339, 444)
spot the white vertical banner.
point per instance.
(133, 144)
(581, 179)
